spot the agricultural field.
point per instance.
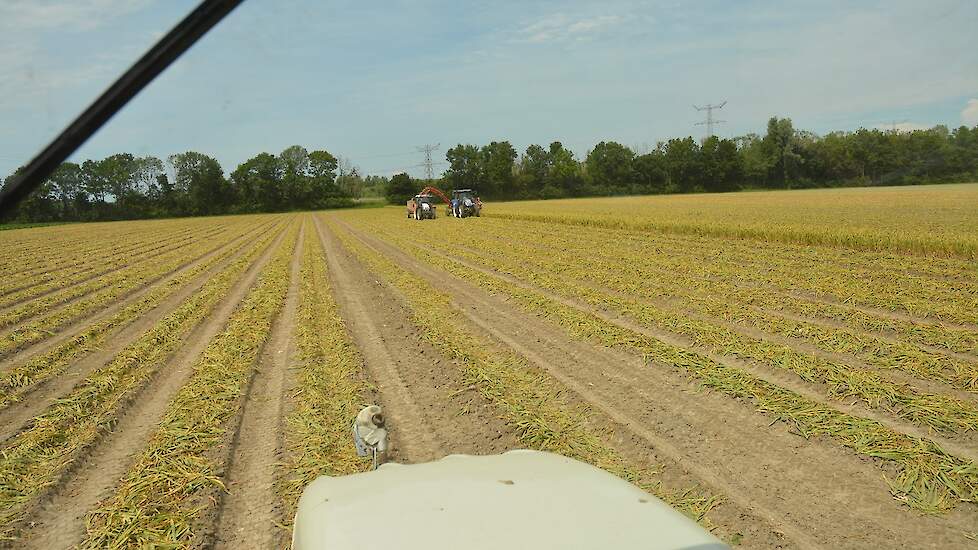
(792, 369)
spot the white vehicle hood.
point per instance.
(520, 499)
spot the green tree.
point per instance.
(499, 160)
(720, 165)
(68, 189)
(322, 180)
(203, 179)
(401, 189)
(650, 171)
(682, 161)
(564, 177)
(609, 167)
(466, 167)
(294, 167)
(257, 184)
(782, 147)
(534, 169)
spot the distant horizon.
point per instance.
(401, 76)
(415, 170)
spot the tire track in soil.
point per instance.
(59, 519)
(36, 399)
(421, 391)
(812, 491)
(79, 324)
(964, 445)
(249, 507)
(896, 315)
(889, 336)
(798, 345)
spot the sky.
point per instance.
(373, 81)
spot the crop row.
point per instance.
(172, 482)
(17, 311)
(779, 267)
(531, 402)
(17, 381)
(329, 391)
(88, 263)
(731, 286)
(849, 238)
(931, 274)
(927, 478)
(86, 242)
(936, 411)
(662, 268)
(754, 307)
(35, 459)
(18, 252)
(661, 271)
(94, 295)
(97, 268)
(86, 252)
(727, 304)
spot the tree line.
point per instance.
(191, 183)
(783, 158)
(124, 186)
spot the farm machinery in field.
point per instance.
(422, 207)
(462, 204)
(465, 203)
(518, 499)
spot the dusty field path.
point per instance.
(812, 492)
(59, 519)
(249, 508)
(418, 387)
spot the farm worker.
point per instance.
(455, 211)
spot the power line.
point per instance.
(710, 121)
(427, 149)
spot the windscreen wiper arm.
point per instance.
(142, 72)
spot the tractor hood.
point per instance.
(520, 499)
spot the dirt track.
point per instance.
(419, 387)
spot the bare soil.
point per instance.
(780, 488)
(249, 509)
(420, 389)
(15, 417)
(59, 519)
(78, 324)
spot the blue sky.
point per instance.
(371, 81)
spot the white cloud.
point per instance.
(588, 25)
(559, 27)
(970, 113)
